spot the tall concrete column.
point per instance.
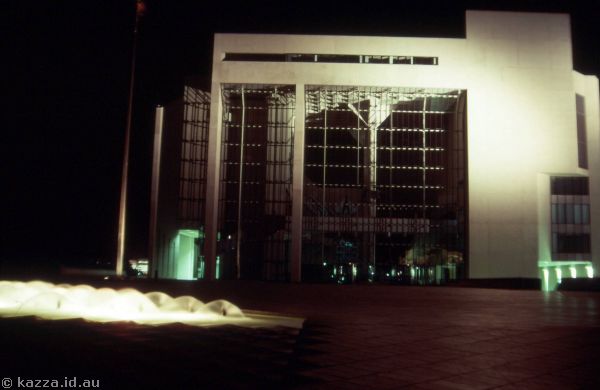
(213, 174)
(297, 186)
(154, 191)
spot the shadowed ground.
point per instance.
(357, 336)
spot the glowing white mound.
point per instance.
(63, 301)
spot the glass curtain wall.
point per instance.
(570, 208)
(256, 178)
(188, 244)
(384, 184)
(192, 184)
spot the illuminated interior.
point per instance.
(255, 199)
(178, 234)
(384, 184)
(187, 253)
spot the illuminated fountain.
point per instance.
(64, 301)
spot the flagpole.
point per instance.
(125, 170)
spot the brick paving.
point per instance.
(354, 337)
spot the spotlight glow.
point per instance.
(590, 271)
(49, 301)
(546, 273)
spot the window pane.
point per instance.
(585, 214)
(573, 243)
(561, 213)
(577, 214)
(569, 213)
(569, 186)
(581, 132)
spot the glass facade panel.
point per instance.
(577, 214)
(330, 58)
(570, 215)
(569, 185)
(581, 132)
(187, 248)
(256, 179)
(585, 214)
(192, 183)
(573, 243)
(384, 184)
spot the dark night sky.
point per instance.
(66, 65)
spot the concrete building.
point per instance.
(419, 160)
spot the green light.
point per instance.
(218, 270)
(590, 271)
(201, 268)
(189, 233)
(185, 251)
(546, 273)
(574, 267)
(562, 263)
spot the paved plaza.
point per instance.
(354, 336)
